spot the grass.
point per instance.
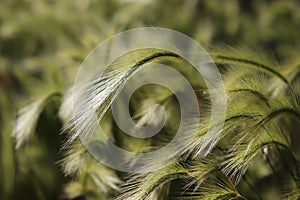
(42, 46)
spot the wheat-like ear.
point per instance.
(28, 116)
(241, 59)
(216, 187)
(100, 92)
(148, 186)
(251, 130)
(240, 157)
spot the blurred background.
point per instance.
(43, 42)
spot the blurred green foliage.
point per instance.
(43, 42)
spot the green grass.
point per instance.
(42, 45)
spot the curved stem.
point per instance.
(254, 92)
(252, 63)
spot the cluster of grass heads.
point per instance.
(255, 157)
(42, 43)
